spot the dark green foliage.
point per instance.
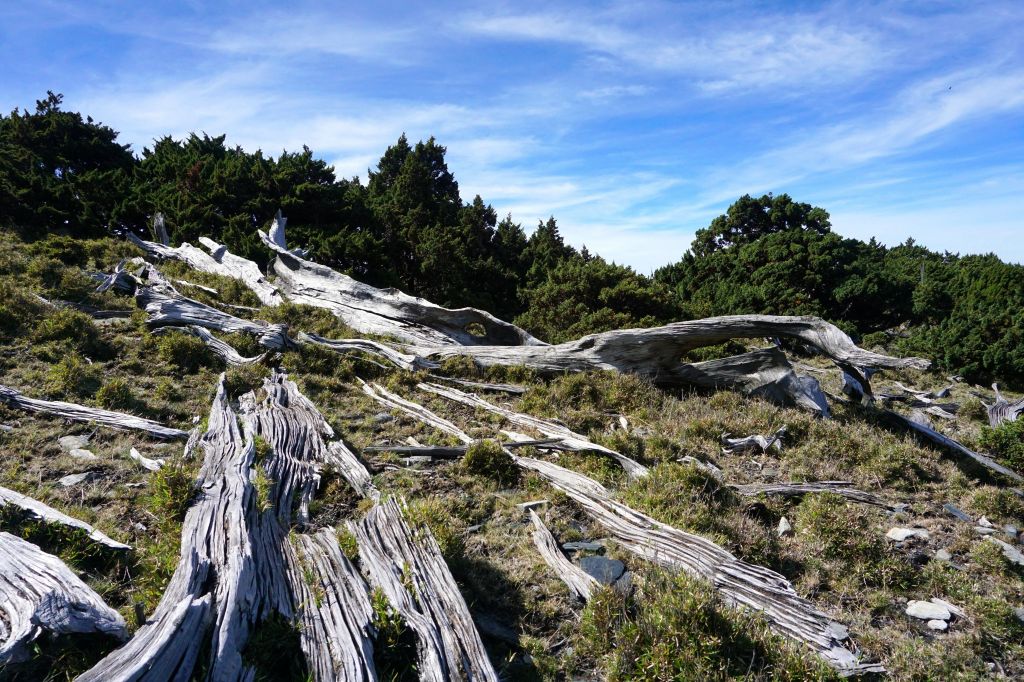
(59, 171)
(171, 489)
(183, 351)
(72, 378)
(582, 297)
(273, 649)
(69, 327)
(244, 378)
(394, 648)
(115, 394)
(1006, 442)
(749, 219)
(487, 458)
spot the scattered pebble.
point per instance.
(903, 534)
(939, 625)
(69, 443)
(1010, 531)
(1019, 612)
(785, 528)
(943, 555)
(6, 428)
(926, 610)
(956, 512)
(75, 479)
(82, 453)
(382, 417)
(606, 571)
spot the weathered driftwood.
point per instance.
(580, 583)
(209, 599)
(220, 348)
(459, 451)
(566, 437)
(841, 488)
(344, 346)
(656, 352)
(482, 386)
(160, 229)
(386, 397)
(386, 312)
(756, 442)
(81, 413)
(1002, 410)
(165, 306)
(740, 583)
(119, 280)
(334, 612)
(449, 646)
(952, 446)
(42, 512)
(39, 593)
(146, 462)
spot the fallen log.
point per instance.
(482, 386)
(39, 593)
(46, 514)
(385, 312)
(386, 397)
(580, 583)
(566, 437)
(395, 357)
(459, 451)
(81, 413)
(220, 348)
(449, 645)
(742, 584)
(841, 488)
(334, 612)
(1002, 410)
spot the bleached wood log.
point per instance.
(458, 451)
(334, 613)
(580, 583)
(42, 512)
(119, 280)
(397, 358)
(953, 446)
(81, 413)
(209, 599)
(391, 552)
(386, 397)
(221, 349)
(740, 583)
(841, 488)
(482, 386)
(731, 446)
(567, 438)
(386, 312)
(39, 593)
(146, 462)
(1002, 410)
(160, 229)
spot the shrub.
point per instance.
(115, 394)
(183, 351)
(244, 378)
(171, 489)
(487, 458)
(72, 377)
(17, 309)
(72, 327)
(1006, 441)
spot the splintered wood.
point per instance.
(41, 512)
(39, 593)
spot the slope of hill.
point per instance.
(837, 548)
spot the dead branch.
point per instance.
(42, 512)
(580, 583)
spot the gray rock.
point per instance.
(1009, 551)
(982, 530)
(606, 571)
(956, 512)
(943, 555)
(926, 610)
(1010, 531)
(82, 453)
(69, 443)
(902, 534)
(1019, 612)
(6, 428)
(939, 625)
(583, 547)
(75, 479)
(625, 583)
(382, 417)
(785, 528)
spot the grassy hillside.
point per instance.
(663, 627)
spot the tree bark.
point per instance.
(47, 514)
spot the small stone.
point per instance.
(606, 571)
(902, 534)
(785, 528)
(624, 584)
(939, 625)
(69, 443)
(1009, 551)
(139, 527)
(943, 555)
(926, 610)
(1010, 531)
(382, 417)
(1019, 612)
(582, 547)
(956, 512)
(82, 453)
(985, 523)
(6, 428)
(982, 530)
(75, 479)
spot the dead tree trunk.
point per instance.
(841, 488)
(566, 437)
(81, 413)
(39, 593)
(41, 512)
(221, 349)
(1002, 410)
(579, 582)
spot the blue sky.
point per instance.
(632, 123)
